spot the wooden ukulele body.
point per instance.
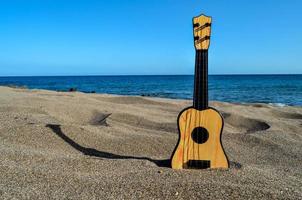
(199, 144)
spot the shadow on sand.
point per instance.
(101, 154)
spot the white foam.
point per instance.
(278, 104)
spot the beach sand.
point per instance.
(57, 145)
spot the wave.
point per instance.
(278, 104)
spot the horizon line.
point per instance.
(253, 74)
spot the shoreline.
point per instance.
(144, 96)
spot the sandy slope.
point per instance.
(89, 146)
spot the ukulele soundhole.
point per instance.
(200, 135)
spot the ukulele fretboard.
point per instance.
(200, 99)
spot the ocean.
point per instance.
(274, 89)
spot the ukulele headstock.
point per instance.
(202, 32)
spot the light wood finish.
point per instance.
(187, 149)
(202, 31)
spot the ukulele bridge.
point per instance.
(198, 164)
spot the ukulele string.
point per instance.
(200, 99)
(204, 88)
(197, 89)
(198, 61)
(202, 94)
(207, 84)
(200, 106)
(206, 80)
(202, 68)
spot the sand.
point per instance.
(57, 145)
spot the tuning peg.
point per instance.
(196, 25)
(207, 24)
(196, 38)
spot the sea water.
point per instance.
(274, 89)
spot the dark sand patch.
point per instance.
(99, 119)
(258, 105)
(246, 124)
(235, 165)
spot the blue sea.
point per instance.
(275, 89)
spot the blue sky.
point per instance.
(120, 37)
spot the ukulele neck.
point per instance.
(200, 98)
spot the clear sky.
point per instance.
(121, 37)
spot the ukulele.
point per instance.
(200, 126)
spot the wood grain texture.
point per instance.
(202, 31)
(187, 149)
